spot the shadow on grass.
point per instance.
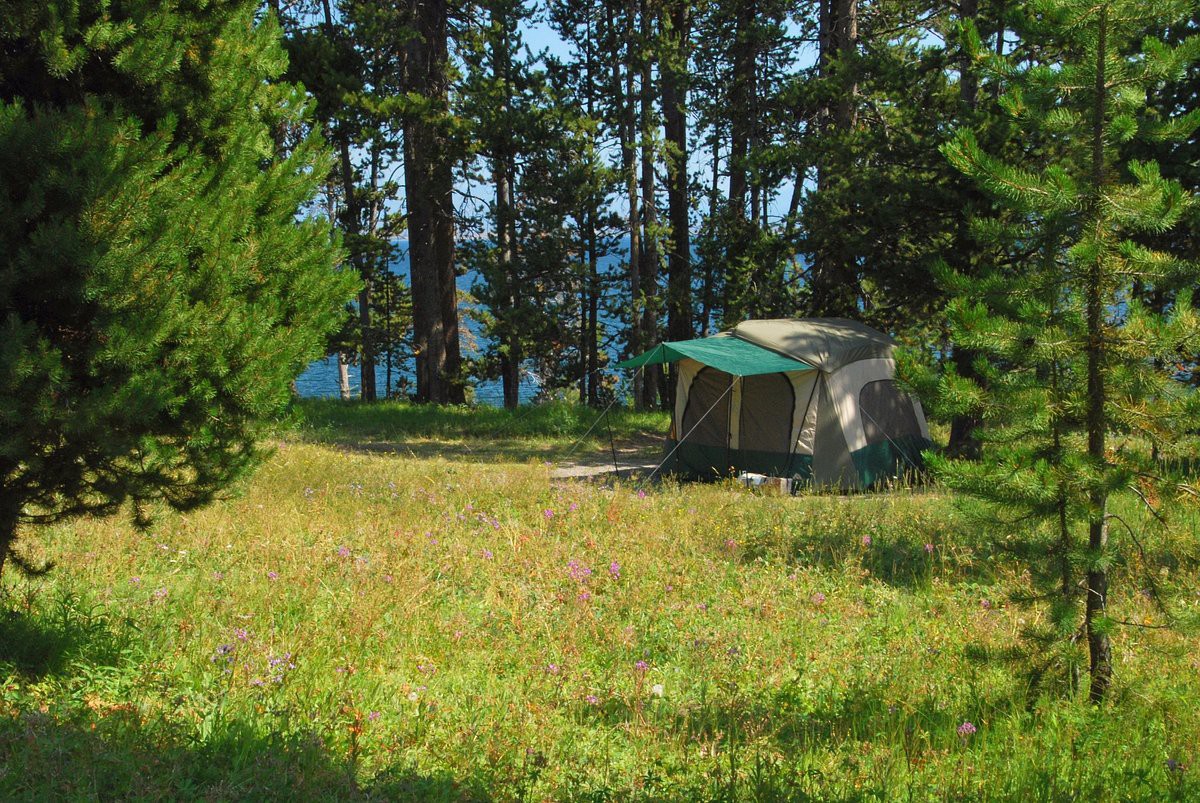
(71, 745)
(114, 757)
(782, 746)
(550, 432)
(36, 645)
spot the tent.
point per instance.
(814, 398)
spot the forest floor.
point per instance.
(361, 623)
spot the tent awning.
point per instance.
(729, 354)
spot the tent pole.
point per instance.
(613, 445)
(808, 406)
(895, 445)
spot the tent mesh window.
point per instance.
(767, 404)
(709, 386)
(888, 413)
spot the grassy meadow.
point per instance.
(442, 621)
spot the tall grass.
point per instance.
(359, 625)
(326, 419)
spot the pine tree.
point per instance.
(157, 291)
(1069, 358)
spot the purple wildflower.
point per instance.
(241, 634)
(552, 669)
(135, 580)
(730, 544)
(160, 594)
(818, 598)
(573, 507)
(584, 596)
(578, 572)
(929, 549)
(487, 554)
(592, 699)
(986, 604)
(548, 513)
(641, 666)
(866, 540)
(966, 729)
(218, 576)
(374, 715)
(272, 576)
(343, 552)
(614, 569)
(641, 494)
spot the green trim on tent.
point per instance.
(889, 458)
(697, 461)
(873, 463)
(728, 354)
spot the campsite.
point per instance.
(600, 400)
(378, 625)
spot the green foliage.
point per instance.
(1074, 376)
(158, 293)
(534, 135)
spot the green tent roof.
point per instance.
(725, 353)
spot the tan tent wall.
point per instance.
(830, 439)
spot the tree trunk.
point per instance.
(653, 382)
(343, 376)
(590, 342)
(429, 185)
(707, 291)
(741, 91)
(1099, 648)
(964, 437)
(628, 132)
(739, 106)
(10, 514)
(511, 361)
(352, 223)
(834, 274)
(674, 107)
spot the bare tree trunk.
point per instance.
(429, 189)
(502, 178)
(1099, 648)
(590, 339)
(964, 437)
(352, 221)
(343, 376)
(510, 361)
(654, 381)
(628, 132)
(741, 124)
(674, 106)
(10, 513)
(739, 105)
(834, 275)
(707, 291)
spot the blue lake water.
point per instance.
(320, 379)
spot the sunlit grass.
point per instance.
(360, 624)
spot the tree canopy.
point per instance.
(158, 289)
